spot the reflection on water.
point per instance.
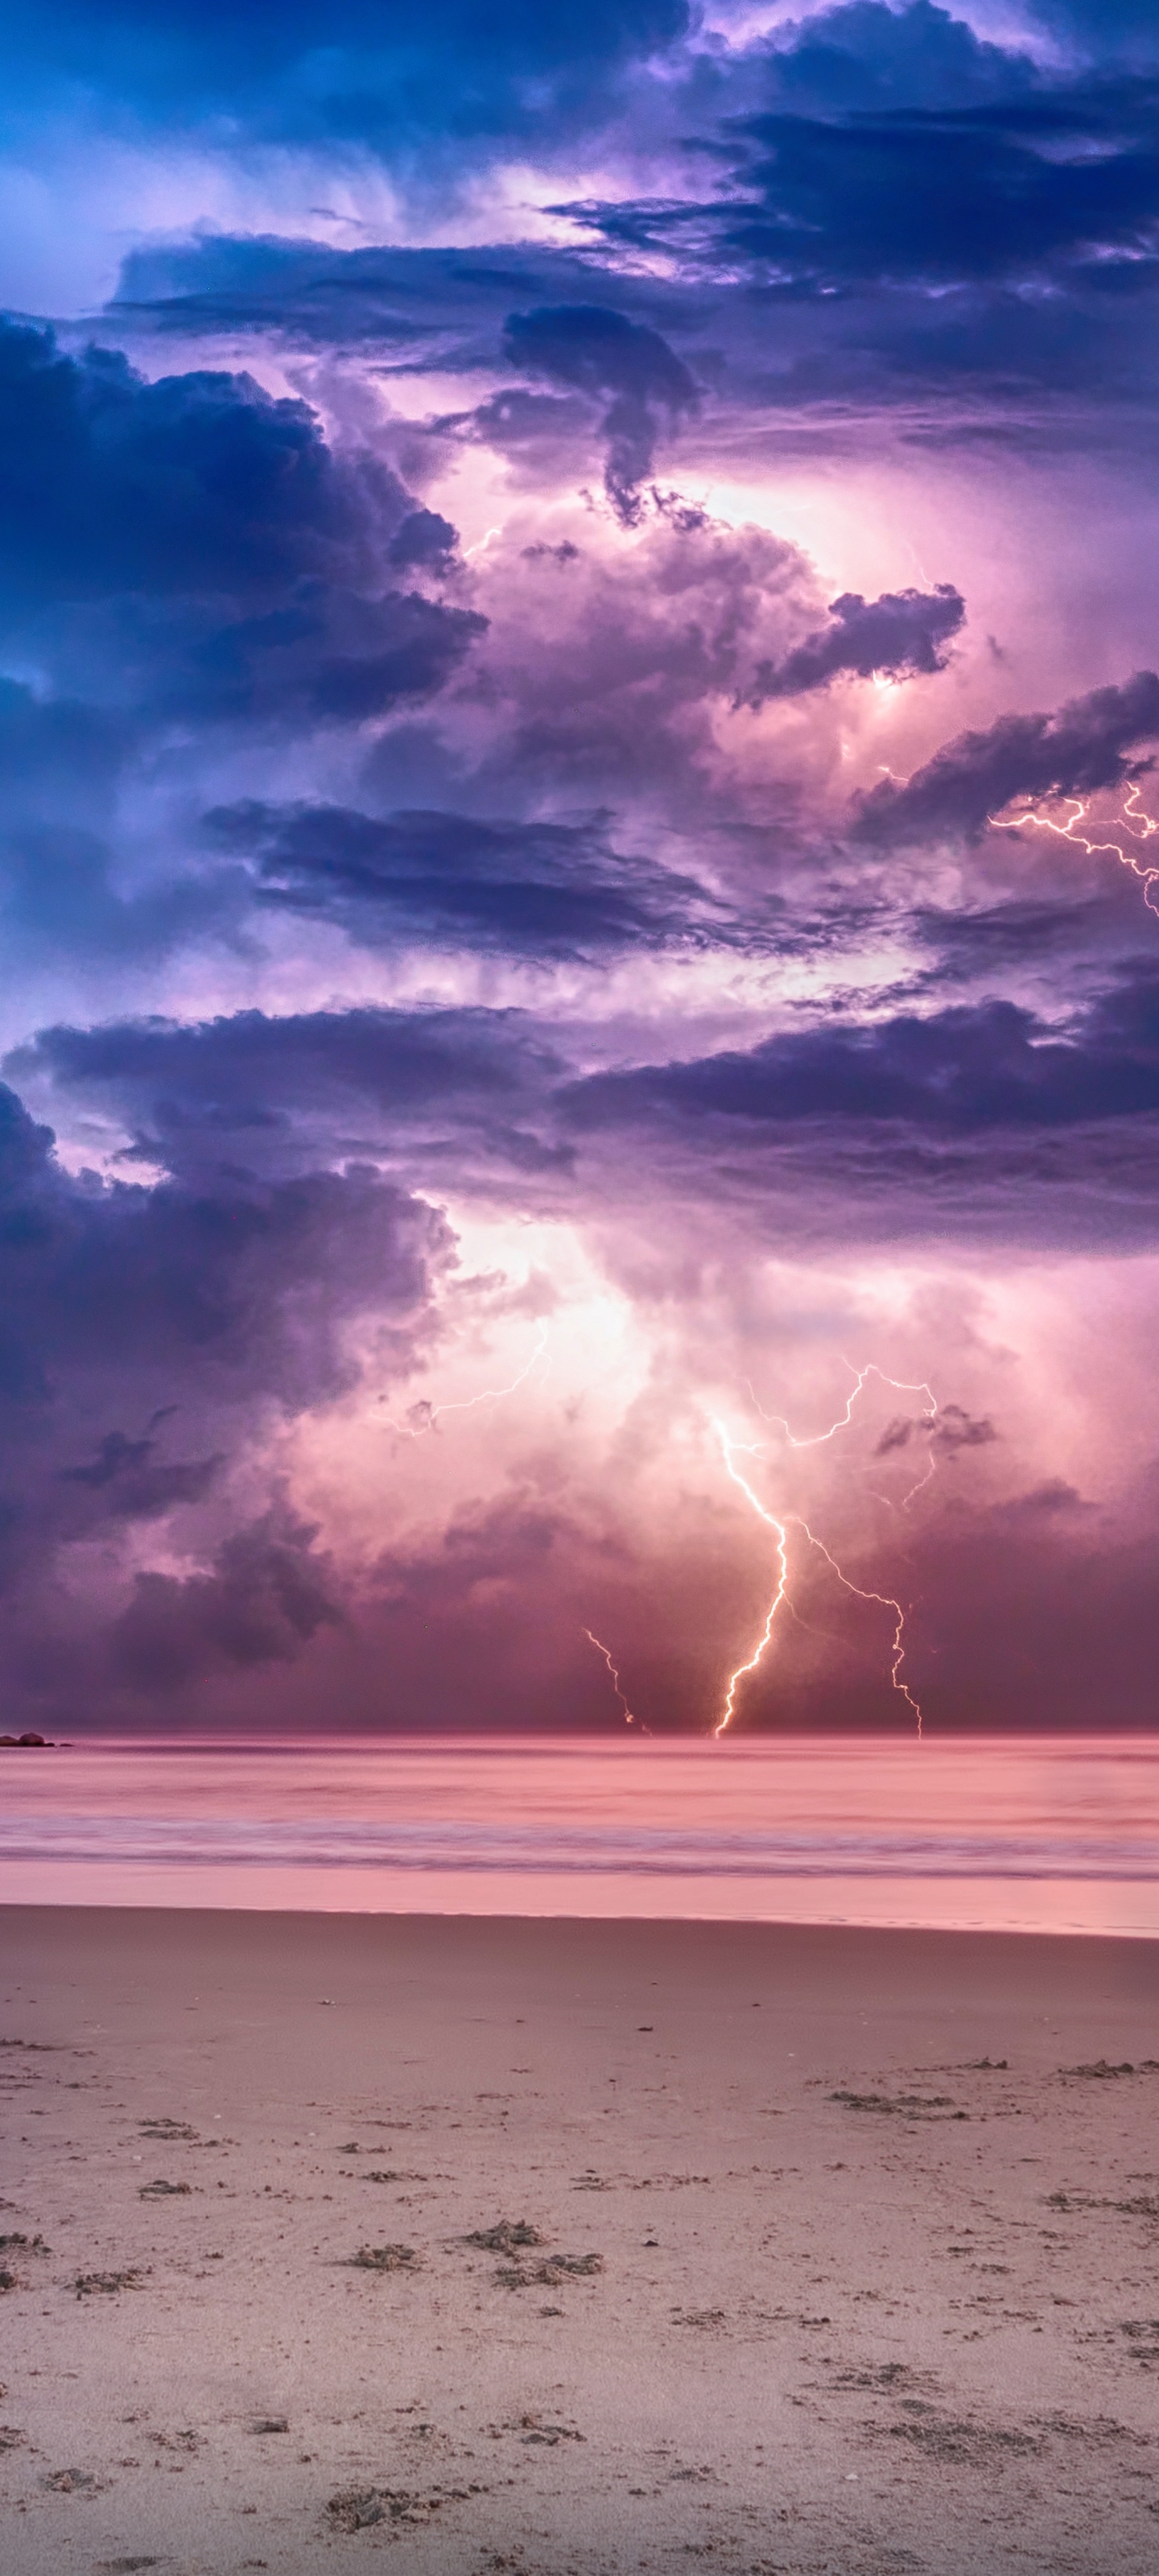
(1051, 1834)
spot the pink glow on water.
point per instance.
(1048, 1835)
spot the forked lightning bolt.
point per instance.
(729, 1451)
(1133, 820)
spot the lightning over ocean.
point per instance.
(579, 1261)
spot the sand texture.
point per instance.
(540, 2247)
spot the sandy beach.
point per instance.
(550, 2247)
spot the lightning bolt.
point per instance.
(729, 1449)
(1132, 819)
(465, 1404)
(605, 1651)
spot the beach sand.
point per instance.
(811, 2250)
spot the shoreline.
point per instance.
(1055, 1909)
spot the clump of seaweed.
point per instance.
(1103, 2072)
(92, 2285)
(1142, 2204)
(385, 2258)
(359, 2508)
(510, 2236)
(906, 2106)
(551, 2273)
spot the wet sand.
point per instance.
(779, 2248)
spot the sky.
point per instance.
(580, 905)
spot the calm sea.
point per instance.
(1038, 1835)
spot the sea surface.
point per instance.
(1035, 1834)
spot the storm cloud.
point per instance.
(546, 890)
(599, 351)
(901, 634)
(1084, 746)
(537, 550)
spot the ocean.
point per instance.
(1042, 1834)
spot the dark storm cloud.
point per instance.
(994, 188)
(598, 351)
(235, 1290)
(549, 890)
(1083, 746)
(206, 551)
(264, 1599)
(866, 55)
(277, 1095)
(199, 1099)
(136, 1320)
(148, 1336)
(152, 1336)
(967, 1069)
(198, 483)
(900, 634)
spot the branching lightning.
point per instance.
(731, 1448)
(605, 1651)
(815, 1439)
(901, 1386)
(425, 1415)
(887, 1603)
(1132, 819)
